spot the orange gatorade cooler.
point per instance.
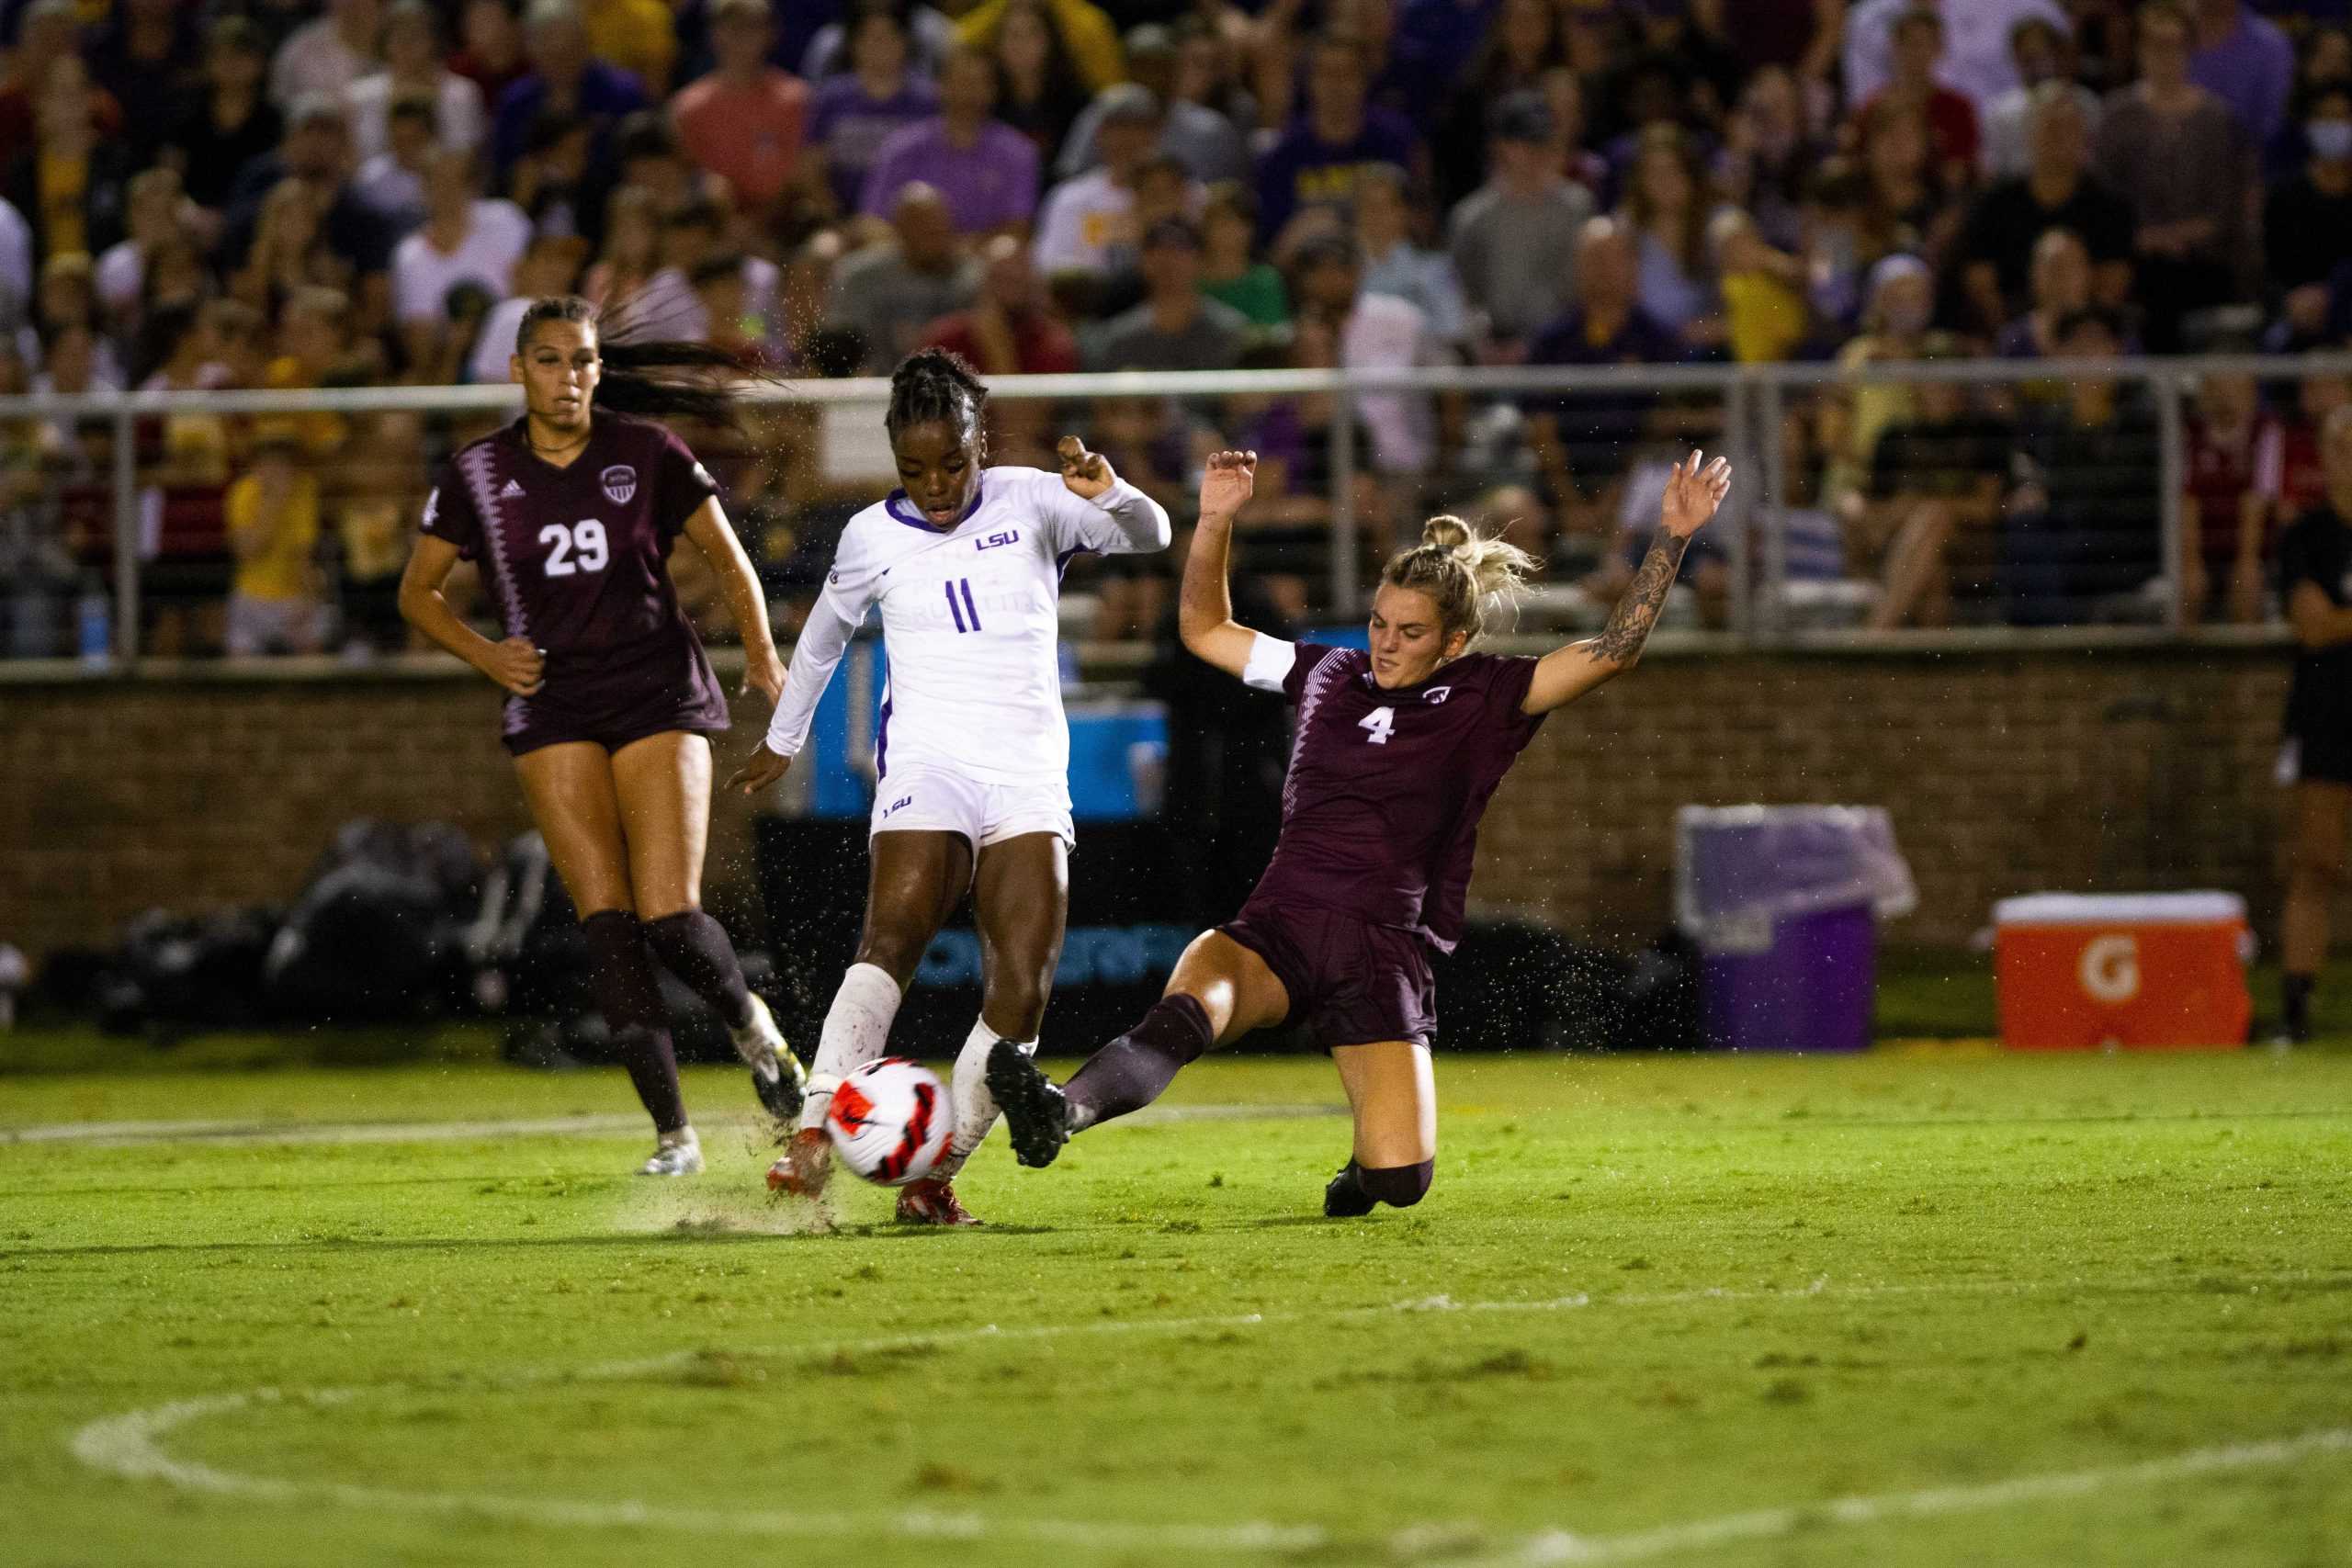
(2141, 971)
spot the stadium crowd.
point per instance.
(255, 196)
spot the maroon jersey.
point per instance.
(575, 557)
(2221, 474)
(575, 561)
(1381, 806)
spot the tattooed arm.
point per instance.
(1566, 673)
(1619, 642)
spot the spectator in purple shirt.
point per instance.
(2244, 61)
(565, 78)
(1318, 159)
(856, 111)
(985, 169)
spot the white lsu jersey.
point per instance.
(970, 622)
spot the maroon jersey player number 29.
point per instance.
(571, 512)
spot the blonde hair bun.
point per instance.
(1463, 571)
(1446, 533)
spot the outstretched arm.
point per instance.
(1566, 673)
(1123, 520)
(1204, 609)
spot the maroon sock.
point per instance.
(1131, 1071)
(694, 948)
(1399, 1186)
(620, 976)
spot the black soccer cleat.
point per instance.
(1036, 1116)
(777, 1078)
(1345, 1198)
(781, 1096)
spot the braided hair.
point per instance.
(1462, 572)
(659, 378)
(935, 384)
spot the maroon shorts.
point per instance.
(1351, 983)
(613, 704)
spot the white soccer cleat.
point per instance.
(676, 1154)
(777, 1076)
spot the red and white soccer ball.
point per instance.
(891, 1120)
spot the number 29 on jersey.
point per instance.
(581, 547)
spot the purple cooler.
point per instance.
(1783, 902)
(1810, 990)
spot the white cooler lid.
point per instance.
(2118, 909)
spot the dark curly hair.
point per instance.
(934, 384)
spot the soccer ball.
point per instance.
(890, 1120)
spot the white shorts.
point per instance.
(933, 800)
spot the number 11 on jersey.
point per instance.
(1377, 723)
(967, 614)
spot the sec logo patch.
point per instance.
(620, 483)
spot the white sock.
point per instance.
(857, 1031)
(975, 1109)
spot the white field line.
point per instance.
(126, 1445)
(119, 1135)
(129, 1446)
(1925, 1502)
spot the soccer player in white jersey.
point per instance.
(973, 753)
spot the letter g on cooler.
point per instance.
(2109, 968)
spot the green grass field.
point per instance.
(1941, 1306)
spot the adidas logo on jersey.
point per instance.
(513, 491)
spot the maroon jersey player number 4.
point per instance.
(1397, 751)
(1382, 802)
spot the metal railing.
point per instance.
(1755, 402)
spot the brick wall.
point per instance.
(2005, 773)
(119, 796)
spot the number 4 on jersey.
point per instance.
(1377, 723)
